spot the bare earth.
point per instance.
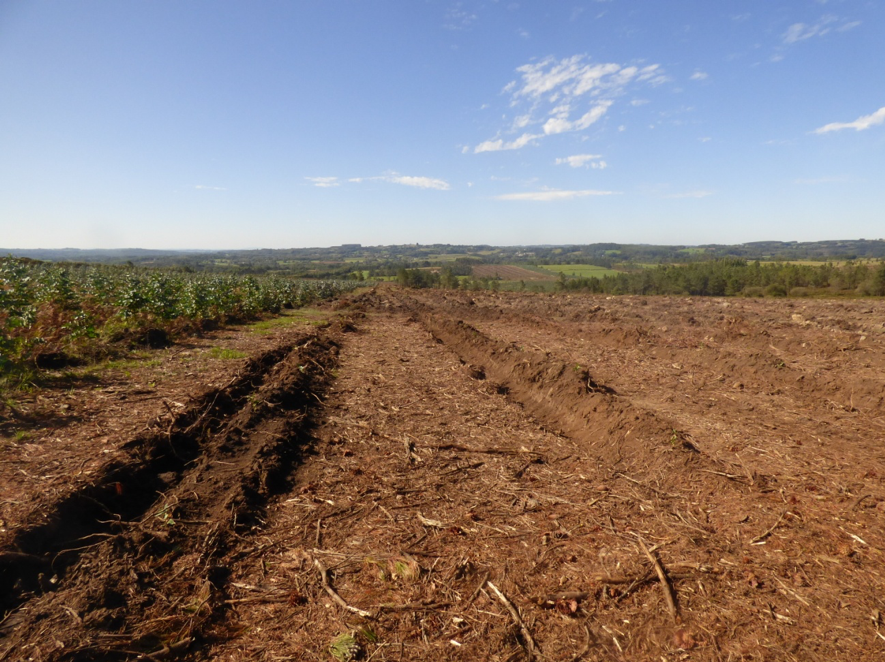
(447, 476)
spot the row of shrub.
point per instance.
(720, 277)
(736, 277)
(77, 310)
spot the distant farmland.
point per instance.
(579, 270)
(510, 272)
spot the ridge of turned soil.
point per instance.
(56, 439)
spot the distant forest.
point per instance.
(375, 261)
(824, 268)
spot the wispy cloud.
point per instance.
(391, 177)
(458, 18)
(560, 123)
(699, 75)
(500, 145)
(562, 96)
(548, 195)
(584, 161)
(801, 31)
(860, 124)
(417, 182)
(202, 187)
(323, 182)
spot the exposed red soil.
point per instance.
(490, 476)
(58, 436)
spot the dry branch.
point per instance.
(475, 593)
(531, 646)
(413, 606)
(324, 575)
(761, 536)
(665, 582)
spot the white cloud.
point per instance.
(418, 182)
(395, 178)
(561, 125)
(699, 75)
(584, 160)
(860, 124)
(500, 145)
(567, 95)
(201, 187)
(547, 195)
(689, 194)
(323, 182)
(800, 31)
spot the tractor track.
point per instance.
(134, 563)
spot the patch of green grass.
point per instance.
(226, 353)
(579, 270)
(447, 257)
(310, 316)
(141, 359)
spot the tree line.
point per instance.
(719, 277)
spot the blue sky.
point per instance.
(227, 124)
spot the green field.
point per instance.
(579, 270)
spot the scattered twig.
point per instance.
(769, 531)
(324, 575)
(165, 651)
(734, 477)
(487, 451)
(482, 582)
(531, 646)
(665, 582)
(586, 648)
(433, 523)
(263, 599)
(551, 599)
(614, 638)
(413, 606)
(475, 465)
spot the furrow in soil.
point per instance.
(142, 570)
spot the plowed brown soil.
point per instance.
(489, 477)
